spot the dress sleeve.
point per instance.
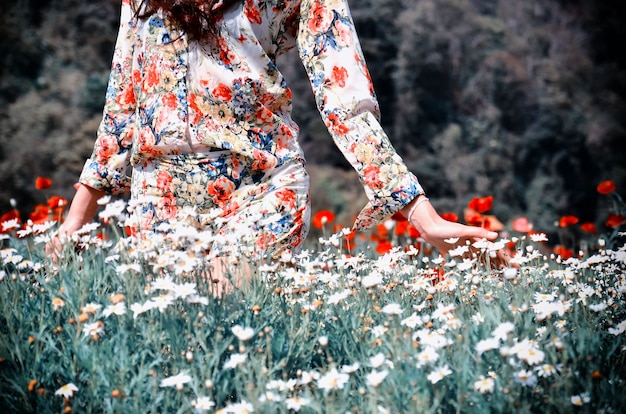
(106, 168)
(330, 51)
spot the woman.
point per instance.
(198, 110)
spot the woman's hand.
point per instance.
(82, 211)
(446, 235)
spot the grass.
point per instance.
(326, 331)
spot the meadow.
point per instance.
(375, 323)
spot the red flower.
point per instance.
(323, 217)
(481, 204)
(606, 187)
(522, 225)
(398, 217)
(414, 233)
(383, 247)
(615, 220)
(564, 252)
(401, 228)
(450, 217)
(339, 76)
(40, 214)
(472, 217)
(567, 221)
(10, 215)
(41, 183)
(589, 228)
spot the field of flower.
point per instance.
(376, 324)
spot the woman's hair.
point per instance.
(196, 17)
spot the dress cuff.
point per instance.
(100, 177)
(388, 202)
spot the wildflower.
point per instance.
(412, 321)
(615, 220)
(296, 403)
(546, 370)
(526, 378)
(459, 251)
(522, 225)
(118, 309)
(57, 303)
(598, 307)
(139, 308)
(484, 385)
(349, 369)
(243, 334)
(502, 331)
(270, 396)
(67, 391)
(375, 378)
(450, 217)
(372, 279)
(606, 187)
(93, 329)
(377, 360)
(321, 218)
(392, 309)
(128, 267)
(163, 283)
(538, 237)
(235, 360)
(10, 224)
(589, 228)
(161, 302)
(427, 356)
(566, 221)
(527, 351)
(337, 297)
(333, 380)
(438, 374)
(242, 407)
(42, 183)
(91, 308)
(104, 200)
(619, 328)
(203, 404)
(580, 399)
(487, 345)
(323, 340)
(481, 204)
(176, 381)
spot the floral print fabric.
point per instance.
(173, 99)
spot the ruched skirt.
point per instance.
(214, 201)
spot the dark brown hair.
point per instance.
(195, 17)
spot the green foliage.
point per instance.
(335, 333)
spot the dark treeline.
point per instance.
(522, 100)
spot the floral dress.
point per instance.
(205, 128)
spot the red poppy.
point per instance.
(589, 228)
(472, 217)
(381, 233)
(606, 187)
(40, 214)
(481, 204)
(398, 217)
(615, 220)
(564, 252)
(383, 247)
(450, 217)
(491, 223)
(41, 183)
(522, 225)
(414, 233)
(10, 215)
(567, 221)
(323, 217)
(401, 228)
